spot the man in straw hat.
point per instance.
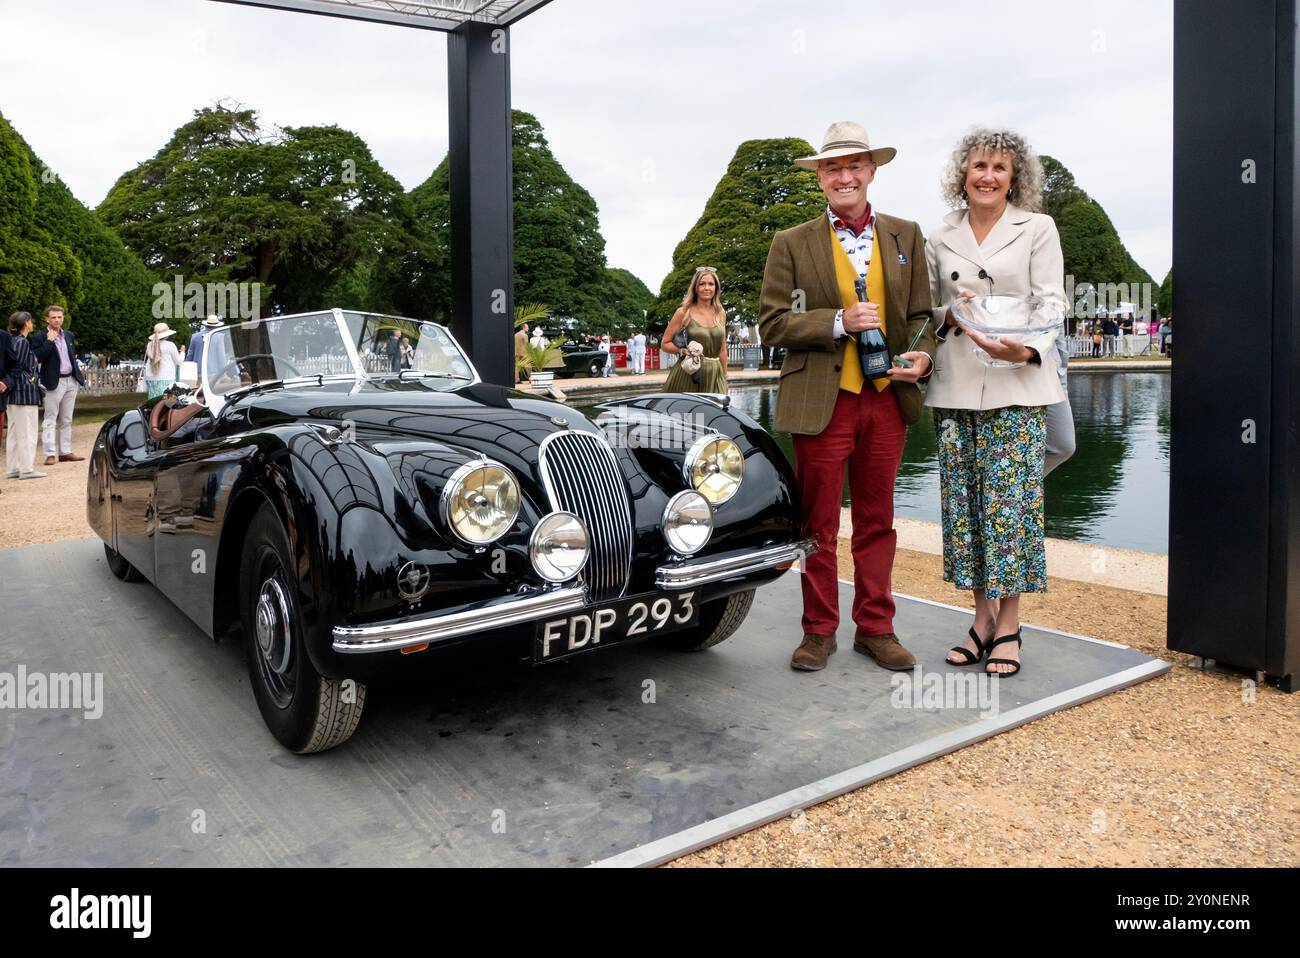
(198, 341)
(810, 306)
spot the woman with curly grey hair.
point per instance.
(991, 420)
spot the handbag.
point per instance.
(693, 359)
(681, 340)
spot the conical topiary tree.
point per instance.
(1093, 251)
(35, 269)
(761, 193)
(113, 314)
(559, 250)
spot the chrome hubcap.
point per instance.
(274, 641)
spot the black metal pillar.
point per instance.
(482, 216)
(1234, 543)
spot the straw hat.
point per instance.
(213, 321)
(844, 139)
(162, 331)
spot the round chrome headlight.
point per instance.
(714, 467)
(480, 502)
(688, 522)
(559, 547)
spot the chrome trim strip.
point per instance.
(688, 575)
(499, 615)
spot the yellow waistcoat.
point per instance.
(845, 276)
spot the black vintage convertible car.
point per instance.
(349, 520)
(581, 360)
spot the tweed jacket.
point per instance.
(797, 310)
(1022, 254)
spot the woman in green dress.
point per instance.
(704, 320)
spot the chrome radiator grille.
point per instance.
(581, 476)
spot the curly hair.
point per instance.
(1026, 169)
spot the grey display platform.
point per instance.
(633, 755)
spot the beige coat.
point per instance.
(797, 310)
(1022, 253)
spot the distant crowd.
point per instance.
(37, 369)
(1123, 336)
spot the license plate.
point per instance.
(604, 625)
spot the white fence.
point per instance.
(1081, 347)
(111, 380)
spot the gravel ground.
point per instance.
(1184, 770)
(1188, 769)
(51, 509)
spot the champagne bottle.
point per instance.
(873, 351)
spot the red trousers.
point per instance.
(866, 434)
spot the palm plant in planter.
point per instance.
(539, 360)
(529, 313)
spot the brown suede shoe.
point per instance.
(812, 653)
(72, 457)
(50, 460)
(886, 650)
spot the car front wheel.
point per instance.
(718, 622)
(304, 710)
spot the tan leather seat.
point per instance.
(165, 420)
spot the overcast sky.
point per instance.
(643, 103)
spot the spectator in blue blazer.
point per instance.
(62, 378)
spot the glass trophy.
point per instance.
(1009, 319)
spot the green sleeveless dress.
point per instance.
(713, 378)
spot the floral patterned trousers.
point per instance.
(991, 484)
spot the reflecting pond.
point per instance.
(1114, 491)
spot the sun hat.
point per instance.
(844, 139)
(161, 331)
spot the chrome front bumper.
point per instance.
(498, 615)
(690, 574)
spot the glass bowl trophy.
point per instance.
(1010, 319)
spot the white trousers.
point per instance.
(1059, 417)
(58, 411)
(20, 438)
(638, 363)
(1060, 435)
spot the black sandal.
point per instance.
(1002, 641)
(971, 657)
